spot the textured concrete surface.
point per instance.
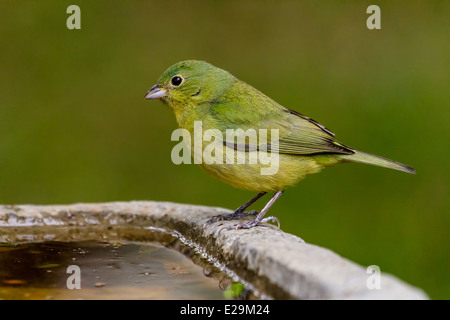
(275, 264)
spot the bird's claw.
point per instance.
(272, 219)
(251, 224)
(232, 216)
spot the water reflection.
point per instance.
(108, 270)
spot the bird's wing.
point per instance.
(307, 136)
(297, 134)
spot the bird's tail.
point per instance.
(368, 158)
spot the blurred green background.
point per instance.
(74, 126)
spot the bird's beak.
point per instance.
(156, 92)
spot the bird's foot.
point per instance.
(251, 224)
(232, 216)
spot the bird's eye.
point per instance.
(176, 81)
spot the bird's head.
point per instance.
(187, 84)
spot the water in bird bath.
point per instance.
(109, 270)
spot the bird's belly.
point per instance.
(278, 174)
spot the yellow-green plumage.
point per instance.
(198, 91)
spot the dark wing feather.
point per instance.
(298, 114)
(308, 136)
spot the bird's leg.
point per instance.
(239, 211)
(260, 216)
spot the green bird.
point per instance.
(198, 91)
